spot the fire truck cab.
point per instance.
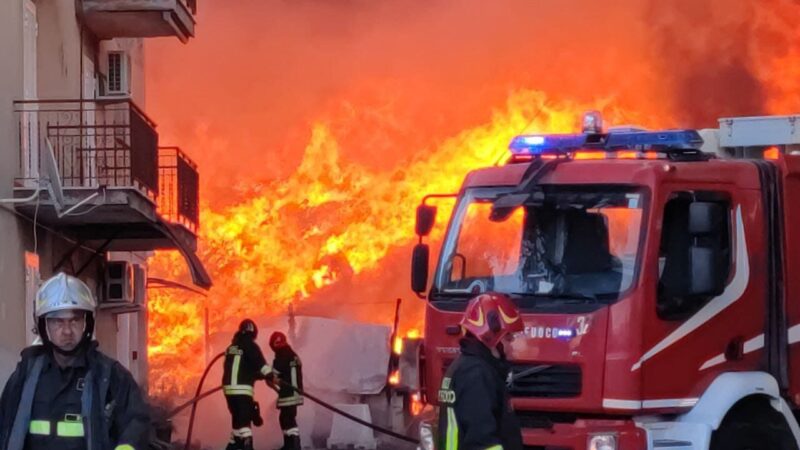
(657, 278)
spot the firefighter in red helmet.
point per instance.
(288, 364)
(244, 364)
(474, 407)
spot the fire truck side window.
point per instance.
(676, 301)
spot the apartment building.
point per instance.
(85, 187)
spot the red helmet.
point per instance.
(490, 317)
(277, 340)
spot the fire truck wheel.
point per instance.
(767, 432)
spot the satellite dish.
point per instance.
(54, 186)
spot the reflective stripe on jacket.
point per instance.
(113, 415)
(244, 364)
(288, 365)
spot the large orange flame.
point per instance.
(315, 153)
(330, 217)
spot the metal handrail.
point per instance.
(111, 142)
(106, 100)
(179, 187)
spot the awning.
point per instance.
(200, 276)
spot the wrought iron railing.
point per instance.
(179, 188)
(109, 143)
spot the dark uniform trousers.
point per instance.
(288, 364)
(244, 364)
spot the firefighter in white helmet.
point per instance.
(65, 393)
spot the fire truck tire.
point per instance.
(765, 430)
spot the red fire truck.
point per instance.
(657, 277)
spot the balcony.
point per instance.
(118, 190)
(140, 18)
(178, 188)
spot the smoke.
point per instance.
(411, 73)
(704, 51)
(259, 72)
(318, 125)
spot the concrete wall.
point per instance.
(66, 65)
(67, 69)
(11, 253)
(135, 50)
(59, 50)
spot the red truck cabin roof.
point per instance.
(630, 172)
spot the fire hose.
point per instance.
(199, 396)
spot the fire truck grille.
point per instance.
(545, 380)
(544, 419)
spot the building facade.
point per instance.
(85, 187)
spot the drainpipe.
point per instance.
(80, 94)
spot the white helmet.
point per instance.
(63, 292)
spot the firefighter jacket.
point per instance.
(94, 404)
(474, 406)
(244, 364)
(287, 363)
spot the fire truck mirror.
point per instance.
(706, 276)
(426, 217)
(419, 268)
(705, 218)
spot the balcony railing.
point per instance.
(95, 143)
(106, 143)
(179, 185)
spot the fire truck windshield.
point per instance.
(561, 243)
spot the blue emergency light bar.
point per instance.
(549, 143)
(562, 144)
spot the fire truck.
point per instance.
(657, 276)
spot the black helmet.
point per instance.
(248, 327)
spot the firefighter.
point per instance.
(244, 364)
(65, 393)
(475, 411)
(287, 363)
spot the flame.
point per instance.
(397, 348)
(772, 153)
(331, 219)
(416, 404)
(311, 179)
(394, 378)
(174, 343)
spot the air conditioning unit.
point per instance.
(120, 286)
(117, 76)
